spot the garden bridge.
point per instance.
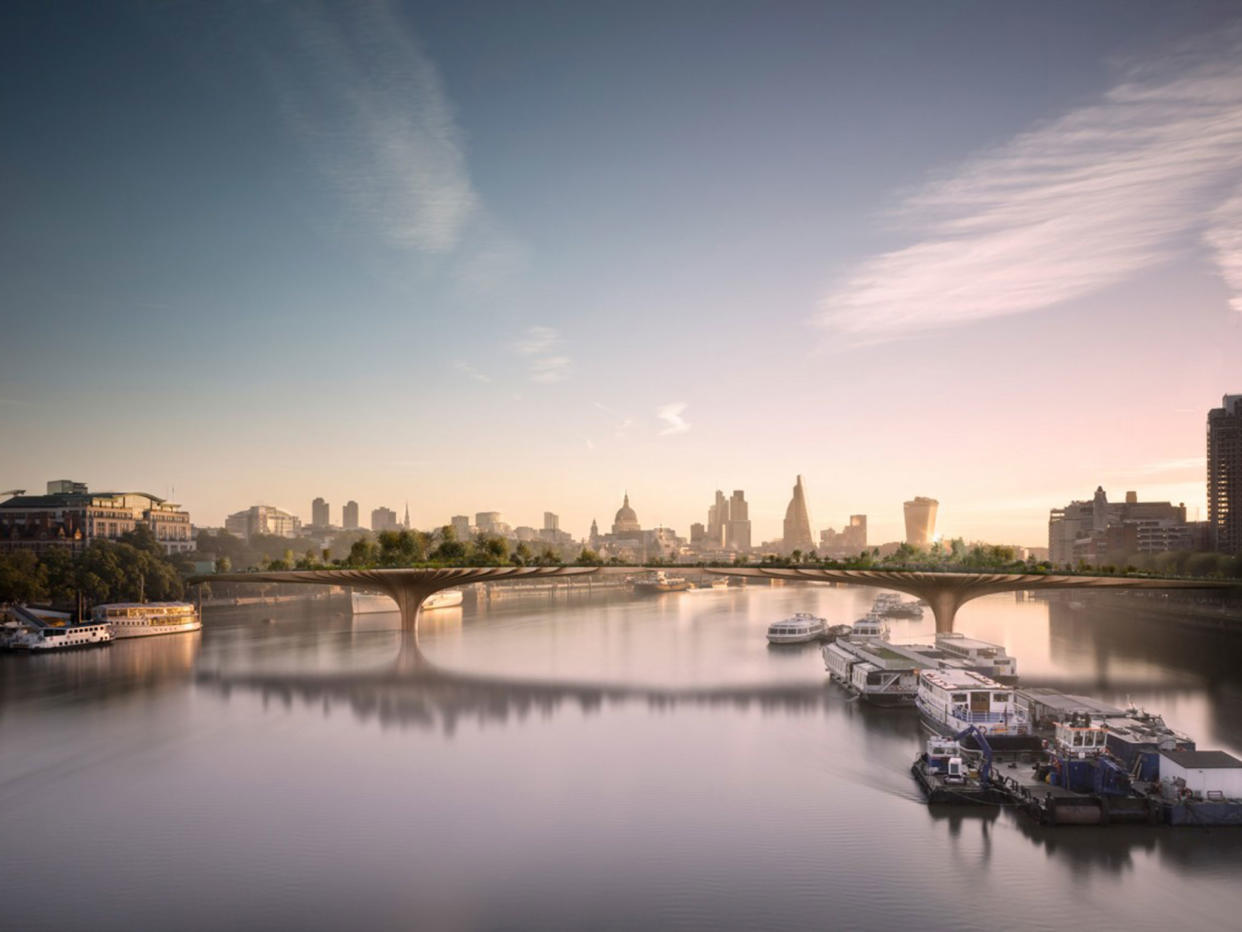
(944, 592)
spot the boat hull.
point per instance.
(145, 631)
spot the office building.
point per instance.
(1224, 475)
(797, 523)
(850, 541)
(551, 522)
(263, 519)
(384, 519)
(737, 528)
(1097, 530)
(718, 521)
(461, 527)
(921, 521)
(349, 516)
(69, 516)
(319, 513)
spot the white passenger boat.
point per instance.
(60, 636)
(871, 628)
(144, 619)
(950, 701)
(799, 628)
(364, 603)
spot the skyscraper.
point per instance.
(718, 520)
(319, 513)
(349, 516)
(551, 522)
(383, 519)
(920, 521)
(798, 522)
(737, 536)
(1224, 474)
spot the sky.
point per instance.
(525, 257)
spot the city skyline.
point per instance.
(353, 272)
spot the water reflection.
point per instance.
(650, 760)
(413, 692)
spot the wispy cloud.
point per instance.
(471, 371)
(544, 348)
(369, 105)
(674, 423)
(1067, 208)
(1224, 236)
(1192, 465)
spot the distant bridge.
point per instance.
(944, 592)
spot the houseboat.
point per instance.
(983, 656)
(144, 619)
(799, 628)
(1137, 739)
(950, 701)
(839, 662)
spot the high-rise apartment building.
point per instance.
(798, 522)
(737, 531)
(349, 516)
(384, 519)
(319, 513)
(551, 522)
(921, 521)
(1224, 475)
(461, 526)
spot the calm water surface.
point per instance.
(601, 762)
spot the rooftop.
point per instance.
(1203, 760)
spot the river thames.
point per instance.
(569, 762)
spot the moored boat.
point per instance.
(799, 628)
(659, 581)
(951, 701)
(985, 657)
(144, 619)
(50, 636)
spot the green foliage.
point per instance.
(134, 567)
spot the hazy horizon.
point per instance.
(491, 257)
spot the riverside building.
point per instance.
(263, 519)
(71, 517)
(1224, 475)
(1091, 530)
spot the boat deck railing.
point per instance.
(976, 718)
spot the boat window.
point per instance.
(1078, 739)
(959, 697)
(1001, 697)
